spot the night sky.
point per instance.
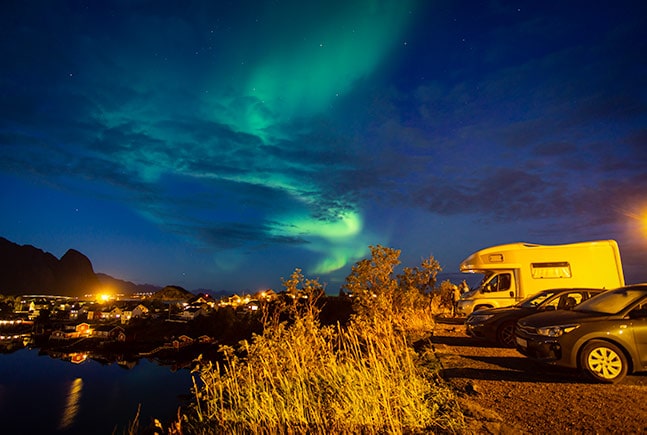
(221, 145)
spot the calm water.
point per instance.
(43, 395)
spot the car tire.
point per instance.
(505, 334)
(604, 361)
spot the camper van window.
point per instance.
(498, 284)
(486, 278)
(560, 269)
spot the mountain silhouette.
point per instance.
(25, 269)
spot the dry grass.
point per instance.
(302, 377)
(363, 377)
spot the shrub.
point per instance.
(404, 300)
(298, 376)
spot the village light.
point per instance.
(103, 297)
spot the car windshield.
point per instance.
(611, 302)
(535, 300)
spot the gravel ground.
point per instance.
(503, 392)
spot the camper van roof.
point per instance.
(511, 254)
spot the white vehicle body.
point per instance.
(515, 271)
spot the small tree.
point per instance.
(417, 282)
(302, 296)
(371, 283)
(380, 296)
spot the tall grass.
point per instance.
(299, 376)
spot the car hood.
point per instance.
(559, 317)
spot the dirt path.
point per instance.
(504, 392)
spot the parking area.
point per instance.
(510, 393)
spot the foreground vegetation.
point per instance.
(371, 374)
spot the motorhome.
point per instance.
(515, 271)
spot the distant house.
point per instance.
(235, 301)
(78, 331)
(107, 332)
(140, 311)
(62, 311)
(201, 299)
(60, 334)
(126, 315)
(181, 341)
(266, 295)
(83, 328)
(133, 311)
(90, 312)
(115, 313)
(191, 313)
(74, 313)
(76, 309)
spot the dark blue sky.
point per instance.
(223, 144)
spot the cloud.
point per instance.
(236, 234)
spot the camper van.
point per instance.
(515, 271)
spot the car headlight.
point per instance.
(556, 331)
(479, 318)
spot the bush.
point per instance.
(300, 376)
(405, 300)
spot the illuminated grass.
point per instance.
(322, 380)
(362, 377)
(299, 376)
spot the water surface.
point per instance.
(43, 395)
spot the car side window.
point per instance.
(554, 304)
(573, 299)
(640, 312)
(566, 301)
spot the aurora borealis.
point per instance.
(221, 145)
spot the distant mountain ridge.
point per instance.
(126, 287)
(25, 269)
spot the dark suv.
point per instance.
(606, 336)
(497, 324)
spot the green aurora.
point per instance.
(255, 91)
(220, 145)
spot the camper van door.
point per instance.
(500, 285)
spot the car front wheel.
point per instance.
(505, 334)
(604, 361)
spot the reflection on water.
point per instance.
(72, 404)
(77, 394)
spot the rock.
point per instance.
(472, 388)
